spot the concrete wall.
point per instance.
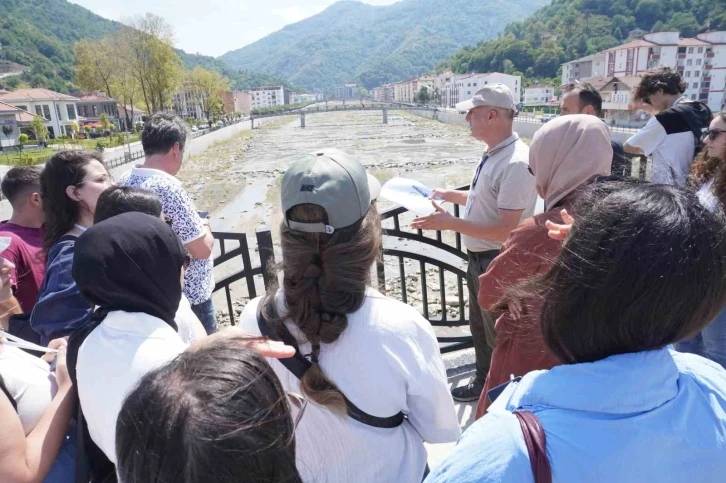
(524, 129)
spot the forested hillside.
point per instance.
(41, 34)
(354, 42)
(569, 29)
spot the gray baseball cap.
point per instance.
(493, 95)
(333, 180)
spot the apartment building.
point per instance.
(701, 61)
(269, 96)
(538, 94)
(384, 93)
(348, 91)
(57, 110)
(585, 68)
(91, 106)
(460, 87)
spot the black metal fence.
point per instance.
(240, 253)
(126, 158)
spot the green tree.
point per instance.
(39, 129)
(362, 92)
(508, 67)
(208, 87)
(105, 123)
(685, 23)
(648, 12)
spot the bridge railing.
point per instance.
(418, 266)
(419, 260)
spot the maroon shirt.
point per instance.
(25, 251)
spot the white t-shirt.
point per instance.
(186, 319)
(707, 197)
(387, 360)
(112, 359)
(669, 141)
(30, 382)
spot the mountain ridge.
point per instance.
(354, 42)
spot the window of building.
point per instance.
(705, 85)
(693, 97)
(700, 50)
(474, 84)
(689, 62)
(695, 85)
(57, 112)
(688, 74)
(39, 111)
(71, 112)
(690, 50)
(95, 110)
(681, 50)
(698, 61)
(698, 73)
(46, 111)
(703, 97)
(24, 108)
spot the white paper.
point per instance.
(410, 194)
(4, 243)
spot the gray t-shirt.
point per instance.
(504, 182)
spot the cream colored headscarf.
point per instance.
(568, 152)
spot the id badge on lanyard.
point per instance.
(472, 191)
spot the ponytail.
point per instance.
(325, 277)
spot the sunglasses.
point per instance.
(712, 134)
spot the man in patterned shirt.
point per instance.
(163, 139)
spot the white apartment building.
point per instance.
(701, 62)
(299, 98)
(585, 68)
(269, 96)
(713, 82)
(58, 110)
(538, 94)
(461, 87)
(384, 93)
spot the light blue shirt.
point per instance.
(657, 416)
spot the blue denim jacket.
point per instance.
(631, 418)
(60, 309)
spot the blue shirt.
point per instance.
(650, 416)
(60, 309)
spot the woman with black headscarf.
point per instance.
(130, 267)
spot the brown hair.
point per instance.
(661, 78)
(707, 167)
(324, 279)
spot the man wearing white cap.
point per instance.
(501, 195)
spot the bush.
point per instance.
(100, 146)
(23, 138)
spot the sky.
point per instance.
(213, 27)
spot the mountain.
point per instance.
(354, 42)
(570, 29)
(28, 38)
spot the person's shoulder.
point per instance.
(248, 316)
(388, 312)
(708, 375)
(491, 450)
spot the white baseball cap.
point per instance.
(493, 95)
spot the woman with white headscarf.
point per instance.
(566, 155)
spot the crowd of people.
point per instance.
(599, 325)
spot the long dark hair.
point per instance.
(643, 267)
(217, 413)
(324, 278)
(707, 167)
(64, 169)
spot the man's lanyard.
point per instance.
(484, 159)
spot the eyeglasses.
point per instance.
(712, 134)
(104, 178)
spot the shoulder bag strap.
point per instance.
(299, 365)
(534, 438)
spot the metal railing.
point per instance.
(248, 271)
(447, 343)
(126, 158)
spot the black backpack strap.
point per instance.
(299, 365)
(92, 464)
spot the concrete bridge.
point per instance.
(318, 109)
